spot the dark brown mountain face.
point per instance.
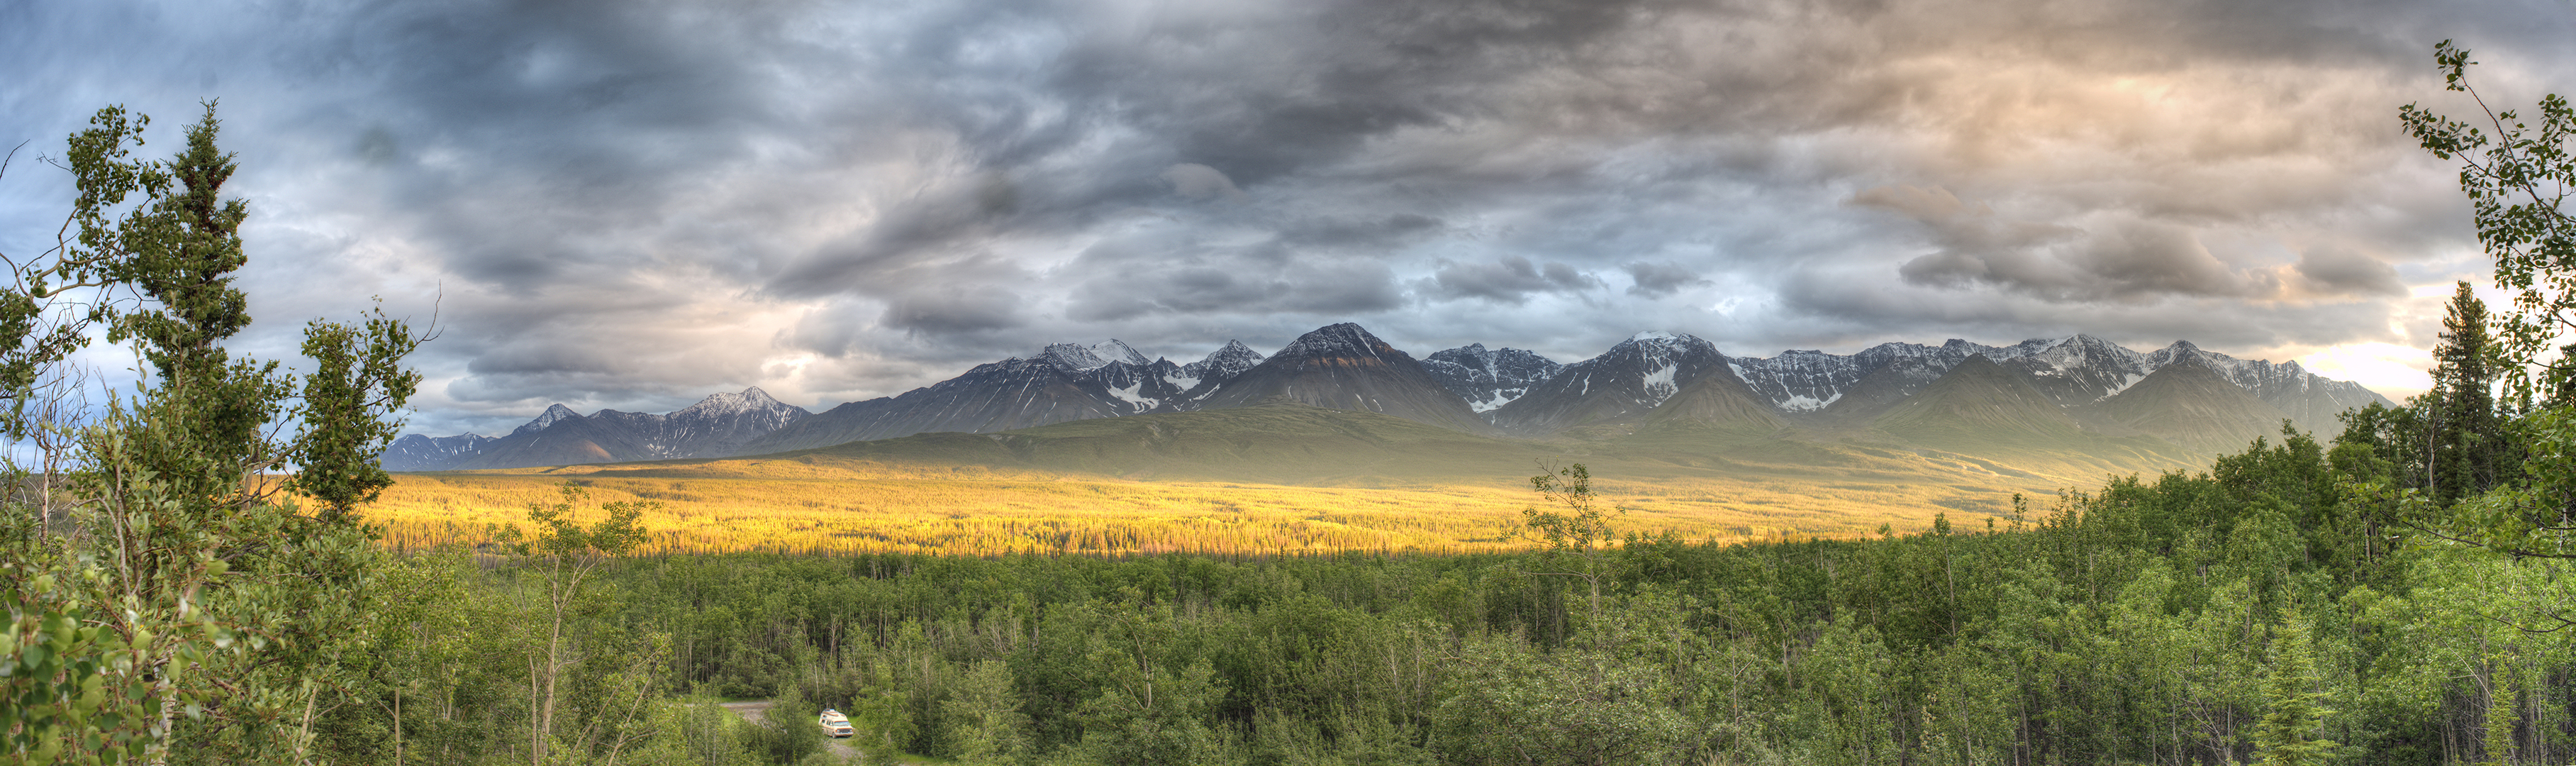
(1979, 405)
(1621, 384)
(2189, 404)
(1343, 367)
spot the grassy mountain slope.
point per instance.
(2188, 404)
(1978, 406)
(1881, 389)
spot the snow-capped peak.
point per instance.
(718, 405)
(1115, 350)
(1651, 335)
(1080, 358)
(547, 418)
(1344, 338)
(1476, 352)
(1224, 363)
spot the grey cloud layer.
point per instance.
(633, 204)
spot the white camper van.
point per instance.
(835, 724)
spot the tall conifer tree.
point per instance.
(2467, 433)
(2292, 716)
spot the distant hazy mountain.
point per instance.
(560, 436)
(1627, 381)
(1012, 393)
(1488, 379)
(1276, 441)
(414, 452)
(2310, 400)
(2072, 372)
(1954, 396)
(1343, 367)
(1065, 382)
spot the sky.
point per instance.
(632, 204)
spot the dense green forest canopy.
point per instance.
(2393, 594)
(2264, 606)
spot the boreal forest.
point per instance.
(189, 576)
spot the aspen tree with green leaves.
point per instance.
(1568, 523)
(2517, 171)
(566, 555)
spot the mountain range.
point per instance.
(2073, 393)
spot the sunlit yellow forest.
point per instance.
(801, 507)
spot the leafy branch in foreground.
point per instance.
(2517, 179)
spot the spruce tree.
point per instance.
(2292, 716)
(2467, 440)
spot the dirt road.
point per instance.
(756, 711)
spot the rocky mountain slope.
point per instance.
(1488, 379)
(1627, 381)
(1343, 367)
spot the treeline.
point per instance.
(2269, 604)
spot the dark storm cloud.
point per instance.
(1168, 273)
(1359, 232)
(953, 309)
(1657, 280)
(2113, 258)
(633, 204)
(1511, 279)
(2334, 270)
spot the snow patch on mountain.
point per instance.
(1488, 378)
(1659, 383)
(2072, 370)
(725, 405)
(1129, 395)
